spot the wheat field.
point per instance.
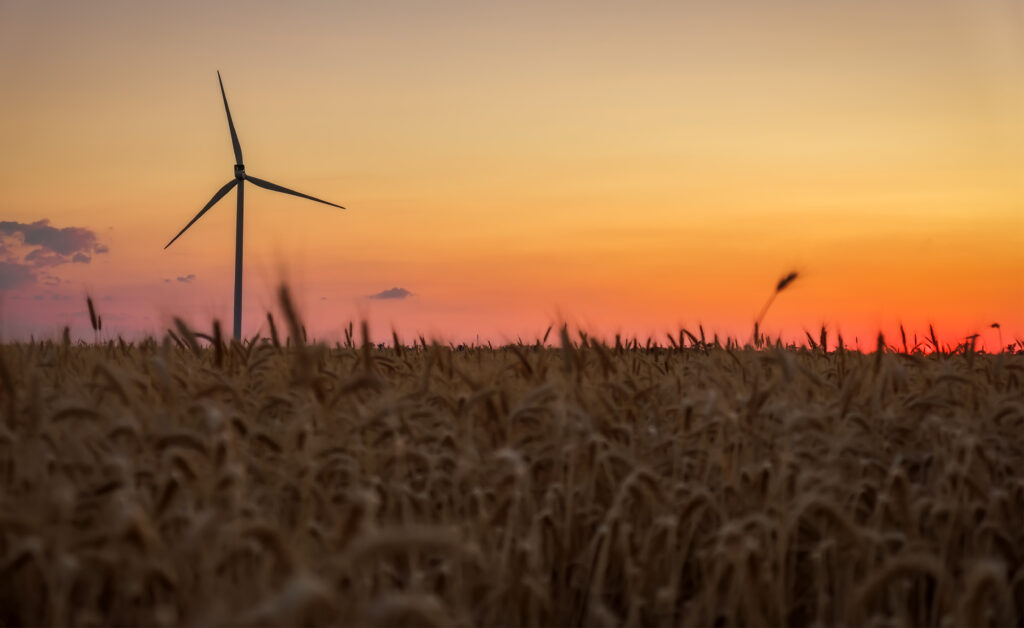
(190, 481)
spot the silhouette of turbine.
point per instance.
(240, 178)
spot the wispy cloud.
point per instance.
(189, 278)
(393, 293)
(28, 248)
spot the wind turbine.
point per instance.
(240, 178)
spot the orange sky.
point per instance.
(511, 164)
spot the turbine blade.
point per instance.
(267, 185)
(231, 125)
(216, 197)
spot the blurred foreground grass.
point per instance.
(192, 481)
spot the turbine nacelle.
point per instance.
(239, 171)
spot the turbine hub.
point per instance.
(239, 171)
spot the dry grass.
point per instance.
(270, 483)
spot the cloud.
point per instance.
(41, 258)
(65, 241)
(14, 275)
(26, 249)
(189, 278)
(393, 293)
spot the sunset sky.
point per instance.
(628, 167)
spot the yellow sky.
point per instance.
(629, 168)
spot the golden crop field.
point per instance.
(186, 482)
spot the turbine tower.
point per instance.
(240, 178)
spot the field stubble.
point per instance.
(167, 483)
